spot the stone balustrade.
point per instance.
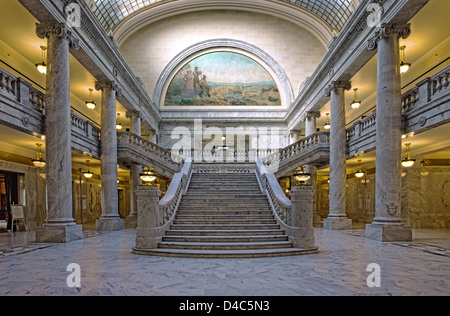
(294, 216)
(155, 216)
(135, 149)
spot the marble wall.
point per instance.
(33, 193)
(151, 48)
(425, 198)
(87, 201)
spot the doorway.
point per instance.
(9, 195)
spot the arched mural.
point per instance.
(222, 78)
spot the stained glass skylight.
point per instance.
(111, 12)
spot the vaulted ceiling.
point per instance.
(323, 17)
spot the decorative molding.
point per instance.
(133, 113)
(44, 30)
(168, 71)
(101, 85)
(388, 30)
(335, 85)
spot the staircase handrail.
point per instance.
(279, 203)
(168, 205)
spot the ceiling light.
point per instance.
(408, 162)
(356, 103)
(91, 104)
(38, 162)
(119, 125)
(88, 174)
(42, 66)
(327, 124)
(404, 66)
(359, 173)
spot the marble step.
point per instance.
(222, 208)
(215, 191)
(230, 232)
(225, 239)
(224, 212)
(226, 254)
(225, 246)
(230, 204)
(215, 217)
(210, 226)
(220, 196)
(234, 221)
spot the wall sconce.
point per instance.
(42, 67)
(356, 103)
(91, 104)
(404, 66)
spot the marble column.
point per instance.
(311, 129)
(388, 225)
(110, 219)
(60, 225)
(293, 137)
(135, 170)
(337, 218)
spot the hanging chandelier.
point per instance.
(38, 162)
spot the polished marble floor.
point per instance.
(340, 268)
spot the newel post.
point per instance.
(301, 217)
(147, 232)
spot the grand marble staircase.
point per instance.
(225, 215)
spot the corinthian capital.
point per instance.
(387, 30)
(44, 30)
(335, 85)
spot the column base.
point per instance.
(109, 224)
(337, 223)
(131, 221)
(147, 238)
(388, 233)
(317, 220)
(302, 237)
(58, 234)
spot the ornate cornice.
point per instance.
(44, 30)
(387, 30)
(335, 85)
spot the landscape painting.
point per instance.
(223, 79)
